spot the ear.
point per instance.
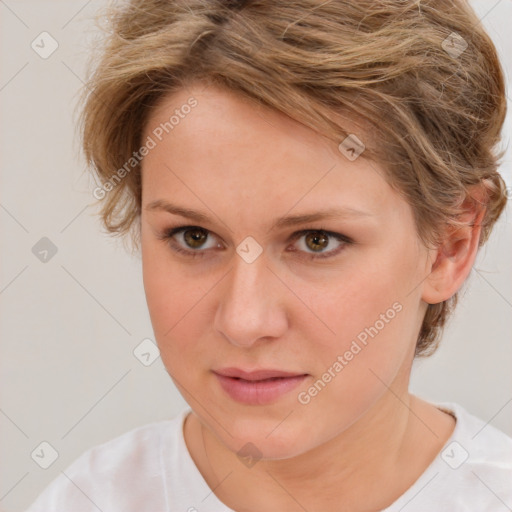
(453, 260)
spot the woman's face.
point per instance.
(334, 301)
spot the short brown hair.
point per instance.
(423, 76)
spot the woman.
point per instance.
(309, 184)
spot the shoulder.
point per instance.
(473, 471)
(478, 461)
(483, 452)
(483, 443)
(121, 474)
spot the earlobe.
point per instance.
(454, 258)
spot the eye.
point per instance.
(188, 236)
(192, 241)
(317, 240)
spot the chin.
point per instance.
(267, 439)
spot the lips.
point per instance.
(257, 387)
(256, 374)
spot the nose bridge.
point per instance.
(248, 309)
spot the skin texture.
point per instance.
(363, 439)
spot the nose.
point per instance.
(252, 305)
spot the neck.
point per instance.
(365, 467)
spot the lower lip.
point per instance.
(259, 392)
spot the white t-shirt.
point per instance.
(149, 469)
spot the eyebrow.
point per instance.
(280, 223)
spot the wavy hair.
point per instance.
(422, 76)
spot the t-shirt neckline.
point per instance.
(428, 474)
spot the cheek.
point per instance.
(374, 318)
(371, 300)
(159, 287)
(169, 293)
(177, 307)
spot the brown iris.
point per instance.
(318, 239)
(195, 237)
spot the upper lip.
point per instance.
(255, 374)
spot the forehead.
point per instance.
(218, 113)
(229, 150)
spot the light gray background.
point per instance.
(69, 326)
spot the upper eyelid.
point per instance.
(170, 233)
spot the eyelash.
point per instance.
(168, 236)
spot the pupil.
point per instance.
(195, 239)
(319, 241)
